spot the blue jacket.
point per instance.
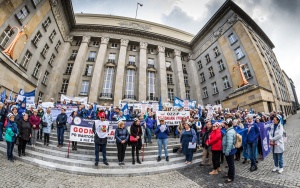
(162, 135)
(21, 110)
(91, 113)
(11, 131)
(81, 113)
(121, 134)
(253, 134)
(150, 122)
(61, 119)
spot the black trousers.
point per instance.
(74, 144)
(216, 158)
(259, 147)
(135, 148)
(231, 168)
(121, 151)
(22, 145)
(238, 154)
(46, 138)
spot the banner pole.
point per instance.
(68, 149)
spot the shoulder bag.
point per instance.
(134, 139)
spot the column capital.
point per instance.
(143, 45)
(161, 49)
(104, 40)
(177, 52)
(86, 39)
(124, 42)
(69, 38)
(191, 56)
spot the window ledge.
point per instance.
(202, 81)
(87, 75)
(44, 84)
(212, 76)
(241, 57)
(34, 44)
(81, 94)
(218, 55)
(227, 88)
(222, 70)
(216, 93)
(234, 42)
(205, 97)
(34, 76)
(208, 62)
(44, 55)
(51, 65)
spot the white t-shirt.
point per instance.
(101, 128)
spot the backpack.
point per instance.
(239, 141)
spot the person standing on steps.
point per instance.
(100, 129)
(70, 120)
(188, 136)
(136, 132)
(47, 118)
(24, 128)
(206, 149)
(40, 114)
(162, 131)
(61, 123)
(34, 121)
(3, 113)
(122, 136)
(11, 136)
(150, 123)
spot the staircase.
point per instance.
(82, 160)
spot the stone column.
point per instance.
(59, 66)
(162, 74)
(77, 67)
(143, 72)
(120, 72)
(98, 70)
(194, 80)
(178, 74)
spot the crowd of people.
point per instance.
(216, 135)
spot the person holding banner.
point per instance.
(34, 121)
(11, 136)
(22, 109)
(70, 120)
(122, 136)
(188, 138)
(47, 118)
(150, 123)
(81, 111)
(162, 131)
(91, 113)
(24, 134)
(61, 124)
(136, 140)
(277, 144)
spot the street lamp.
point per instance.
(137, 6)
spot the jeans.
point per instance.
(10, 149)
(278, 159)
(252, 148)
(189, 155)
(216, 158)
(231, 168)
(163, 142)
(46, 138)
(22, 146)
(1, 131)
(121, 151)
(60, 135)
(149, 134)
(245, 153)
(198, 138)
(34, 136)
(205, 153)
(97, 149)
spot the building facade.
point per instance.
(111, 58)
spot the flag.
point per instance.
(3, 95)
(160, 106)
(125, 111)
(10, 95)
(178, 102)
(30, 97)
(95, 107)
(24, 101)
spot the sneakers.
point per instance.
(158, 159)
(280, 170)
(275, 169)
(96, 163)
(253, 168)
(213, 172)
(105, 163)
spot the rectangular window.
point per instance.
(130, 84)
(215, 88)
(52, 58)
(246, 72)
(168, 54)
(226, 82)
(186, 81)
(26, 59)
(96, 44)
(182, 58)
(168, 66)
(232, 38)
(221, 65)
(45, 50)
(216, 51)
(92, 56)
(150, 51)
(202, 77)
(151, 85)
(57, 45)
(36, 2)
(37, 38)
(171, 94)
(200, 65)
(151, 63)
(84, 87)
(211, 72)
(131, 60)
(88, 70)
(114, 45)
(108, 82)
(169, 78)
(132, 48)
(73, 55)
(69, 68)
(112, 58)
(5, 36)
(22, 14)
(46, 23)
(205, 94)
(239, 53)
(187, 94)
(40, 96)
(52, 35)
(218, 102)
(77, 42)
(207, 58)
(184, 69)
(36, 70)
(64, 86)
(45, 78)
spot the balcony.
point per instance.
(83, 93)
(186, 84)
(110, 63)
(169, 69)
(129, 97)
(132, 63)
(73, 57)
(106, 95)
(184, 71)
(170, 83)
(91, 59)
(151, 68)
(151, 98)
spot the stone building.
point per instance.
(111, 58)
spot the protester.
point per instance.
(91, 113)
(47, 118)
(206, 150)
(24, 128)
(61, 124)
(3, 113)
(162, 131)
(14, 111)
(136, 144)
(40, 114)
(150, 124)
(22, 109)
(34, 121)
(81, 111)
(11, 136)
(188, 137)
(181, 127)
(199, 127)
(70, 120)
(121, 136)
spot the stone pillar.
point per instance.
(142, 88)
(120, 72)
(194, 80)
(59, 67)
(162, 74)
(178, 74)
(77, 67)
(98, 70)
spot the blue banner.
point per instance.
(125, 111)
(180, 103)
(264, 137)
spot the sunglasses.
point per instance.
(101, 117)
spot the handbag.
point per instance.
(132, 138)
(44, 124)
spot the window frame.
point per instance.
(64, 86)
(36, 70)
(26, 58)
(211, 73)
(45, 78)
(84, 87)
(20, 20)
(240, 51)
(46, 23)
(215, 88)
(108, 80)
(7, 34)
(130, 82)
(229, 38)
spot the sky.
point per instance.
(279, 19)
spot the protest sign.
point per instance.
(172, 118)
(30, 97)
(68, 99)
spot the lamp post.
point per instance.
(137, 6)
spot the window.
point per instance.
(168, 66)
(108, 82)
(184, 68)
(132, 48)
(151, 85)
(45, 50)
(246, 72)
(37, 38)
(5, 36)
(221, 65)
(216, 51)
(200, 65)
(182, 58)
(52, 58)
(45, 78)
(47, 23)
(77, 42)
(205, 94)
(88, 70)
(169, 78)
(96, 44)
(111, 58)
(40, 96)
(215, 88)
(69, 68)
(22, 14)
(73, 55)
(202, 77)
(150, 51)
(52, 35)
(186, 81)
(131, 60)
(130, 84)
(218, 102)
(168, 54)
(211, 72)
(64, 86)
(239, 53)
(171, 94)
(207, 58)
(26, 59)
(226, 82)
(151, 63)
(114, 45)
(84, 87)
(57, 45)
(187, 94)
(92, 56)
(36, 2)
(232, 38)
(36, 70)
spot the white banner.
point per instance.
(172, 118)
(68, 98)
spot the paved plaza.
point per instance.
(20, 174)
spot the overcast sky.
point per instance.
(280, 20)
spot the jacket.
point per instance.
(278, 138)
(205, 136)
(61, 120)
(48, 119)
(21, 110)
(215, 140)
(41, 113)
(35, 120)
(11, 131)
(162, 135)
(252, 134)
(3, 113)
(90, 114)
(150, 122)
(228, 141)
(121, 134)
(136, 130)
(81, 113)
(24, 128)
